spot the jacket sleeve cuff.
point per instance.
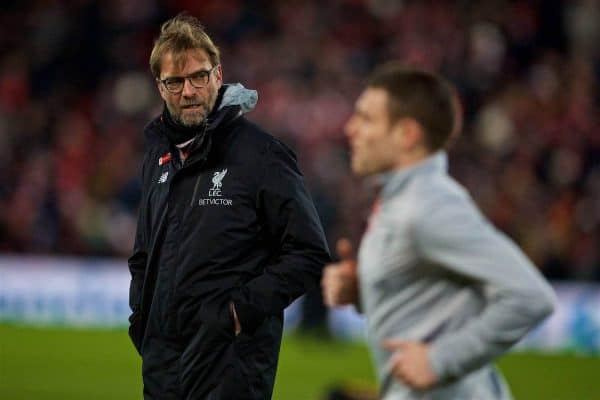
(439, 363)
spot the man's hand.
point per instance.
(236, 321)
(339, 282)
(410, 363)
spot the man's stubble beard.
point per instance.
(192, 120)
(197, 118)
(365, 165)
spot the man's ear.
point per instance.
(409, 133)
(219, 76)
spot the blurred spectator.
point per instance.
(75, 91)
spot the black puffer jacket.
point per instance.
(233, 223)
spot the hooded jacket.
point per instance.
(232, 223)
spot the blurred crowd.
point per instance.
(76, 92)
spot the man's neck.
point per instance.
(408, 159)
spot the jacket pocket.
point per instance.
(246, 344)
(216, 316)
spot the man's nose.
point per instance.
(188, 88)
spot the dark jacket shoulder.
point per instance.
(252, 140)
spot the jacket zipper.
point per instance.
(195, 190)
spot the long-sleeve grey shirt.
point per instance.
(433, 269)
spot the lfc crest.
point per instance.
(217, 183)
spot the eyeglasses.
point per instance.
(198, 80)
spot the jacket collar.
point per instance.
(233, 101)
(394, 181)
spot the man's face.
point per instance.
(373, 146)
(191, 105)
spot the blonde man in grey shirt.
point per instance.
(443, 292)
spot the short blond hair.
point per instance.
(177, 35)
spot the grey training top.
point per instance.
(433, 269)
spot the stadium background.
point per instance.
(75, 93)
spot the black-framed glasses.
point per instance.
(198, 79)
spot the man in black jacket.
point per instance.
(227, 234)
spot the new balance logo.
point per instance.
(163, 177)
